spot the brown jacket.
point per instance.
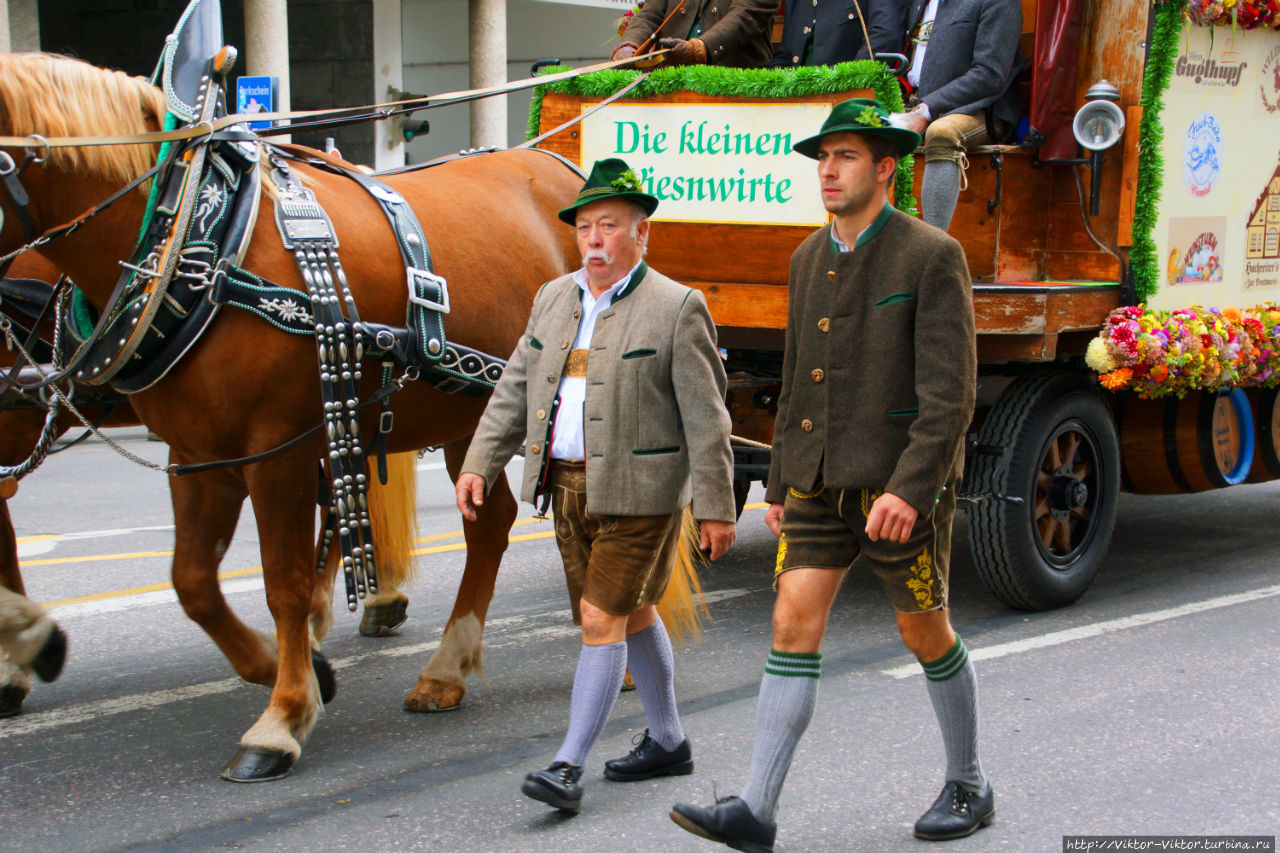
(655, 412)
(737, 33)
(880, 369)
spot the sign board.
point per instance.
(722, 163)
(256, 95)
(621, 6)
(1218, 232)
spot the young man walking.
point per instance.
(878, 389)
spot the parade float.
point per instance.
(1125, 256)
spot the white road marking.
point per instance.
(1098, 628)
(37, 545)
(500, 633)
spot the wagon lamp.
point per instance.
(1098, 125)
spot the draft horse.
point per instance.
(30, 642)
(245, 389)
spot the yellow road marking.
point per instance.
(22, 540)
(254, 570)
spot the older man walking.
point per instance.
(618, 388)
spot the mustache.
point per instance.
(597, 255)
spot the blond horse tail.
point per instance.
(393, 512)
(682, 608)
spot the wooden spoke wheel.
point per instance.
(1062, 459)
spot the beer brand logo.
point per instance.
(1269, 81)
(1209, 72)
(1202, 154)
(1199, 264)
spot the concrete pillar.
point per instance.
(23, 22)
(266, 36)
(488, 22)
(388, 73)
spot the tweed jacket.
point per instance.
(655, 422)
(837, 31)
(737, 33)
(972, 59)
(880, 369)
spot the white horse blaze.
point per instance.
(459, 651)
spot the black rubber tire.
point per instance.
(1010, 555)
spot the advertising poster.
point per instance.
(1218, 232)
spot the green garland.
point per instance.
(742, 83)
(1160, 62)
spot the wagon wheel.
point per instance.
(1063, 460)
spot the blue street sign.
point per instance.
(256, 95)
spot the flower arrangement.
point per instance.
(1158, 353)
(1247, 14)
(625, 20)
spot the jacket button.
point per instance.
(796, 59)
(831, 275)
(535, 450)
(817, 374)
(577, 312)
(542, 414)
(808, 30)
(564, 344)
(806, 425)
(551, 377)
(824, 324)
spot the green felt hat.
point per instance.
(860, 115)
(610, 178)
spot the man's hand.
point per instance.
(773, 518)
(891, 518)
(626, 50)
(691, 52)
(716, 537)
(470, 493)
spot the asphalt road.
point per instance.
(1149, 707)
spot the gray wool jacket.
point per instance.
(655, 422)
(973, 57)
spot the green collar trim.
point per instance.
(640, 272)
(868, 234)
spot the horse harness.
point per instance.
(186, 266)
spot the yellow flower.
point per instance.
(1098, 358)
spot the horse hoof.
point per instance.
(433, 697)
(11, 700)
(255, 764)
(52, 655)
(381, 620)
(324, 677)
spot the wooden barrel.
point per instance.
(1200, 442)
(1266, 416)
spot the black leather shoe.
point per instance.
(730, 822)
(649, 759)
(559, 786)
(957, 812)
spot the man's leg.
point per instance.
(789, 687)
(788, 693)
(943, 150)
(967, 802)
(601, 666)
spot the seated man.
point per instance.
(824, 32)
(964, 58)
(704, 32)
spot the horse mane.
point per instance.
(53, 95)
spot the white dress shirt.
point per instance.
(567, 439)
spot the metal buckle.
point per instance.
(386, 421)
(7, 166)
(414, 275)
